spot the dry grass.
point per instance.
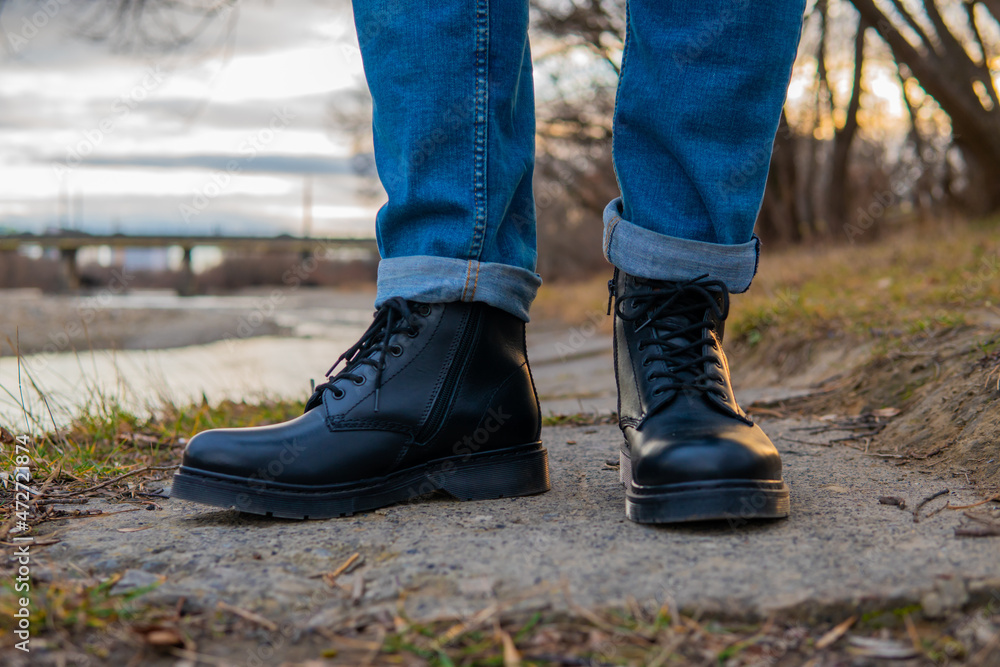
(86, 617)
(910, 283)
(915, 281)
(106, 442)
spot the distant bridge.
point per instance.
(68, 243)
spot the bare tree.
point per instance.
(145, 25)
(956, 72)
(839, 194)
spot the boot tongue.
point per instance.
(664, 329)
(667, 324)
(664, 325)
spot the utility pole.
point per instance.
(307, 214)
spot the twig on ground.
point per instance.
(248, 615)
(892, 500)
(115, 479)
(62, 501)
(977, 531)
(835, 633)
(991, 499)
(201, 657)
(985, 520)
(803, 442)
(89, 514)
(37, 543)
(859, 436)
(358, 589)
(349, 564)
(937, 494)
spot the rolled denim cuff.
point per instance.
(428, 279)
(647, 254)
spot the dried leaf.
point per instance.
(159, 635)
(835, 633)
(511, 658)
(887, 649)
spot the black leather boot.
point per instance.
(690, 453)
(432, 397)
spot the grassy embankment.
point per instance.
(890, 297)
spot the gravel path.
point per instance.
(840, 546)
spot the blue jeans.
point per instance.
(698, 103)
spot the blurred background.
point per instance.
(251, 118)
(178, 172)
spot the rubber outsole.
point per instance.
(515, 471)
(732, 500)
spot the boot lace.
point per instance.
(395, 316)
(676, 313)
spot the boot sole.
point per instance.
(734, 500)
(514, 471)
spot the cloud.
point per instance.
(282, 164)
(58, 87)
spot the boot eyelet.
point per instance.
(423, 309)
(718, 363)
(338, 394)
(645, 362)
(395, 350)
(359, 380)
(413, 333)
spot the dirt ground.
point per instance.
(889, 453)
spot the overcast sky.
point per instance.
(109, 142)
(106, 141)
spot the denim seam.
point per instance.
(611, 234)
(618, 89)
(475, 281)
(468, 274)
(480, 123)
(756, 259)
